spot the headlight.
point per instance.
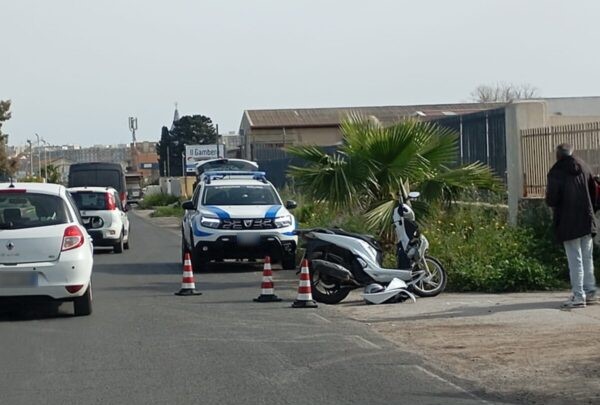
(282, 222)
(210, 222)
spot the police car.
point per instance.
(238, 215)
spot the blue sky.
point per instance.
(76, 70)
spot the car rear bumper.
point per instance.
(104, 237)
(228, 247)
(47, 279)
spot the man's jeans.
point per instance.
(581, 265)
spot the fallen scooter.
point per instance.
(341, 261)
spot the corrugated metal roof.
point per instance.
(316, 117)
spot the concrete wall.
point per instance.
(573, 106)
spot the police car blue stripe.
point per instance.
(272, 212)
(222, 214)
(198, 232)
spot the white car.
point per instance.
(103, 215)
(45, 252)
(238, 215)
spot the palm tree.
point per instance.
(374, 163)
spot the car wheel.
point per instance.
(118, 248)
(82, 306)
(288, 262)
(126, 244)
(184, 249)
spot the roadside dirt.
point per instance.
(518, 347)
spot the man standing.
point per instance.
(571, 193)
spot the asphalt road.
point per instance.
(144, 345)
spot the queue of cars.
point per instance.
(48, 233)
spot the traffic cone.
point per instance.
(267, 288)
(305, 299)
(188, 286)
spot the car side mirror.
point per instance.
(188, 205)
(290, 204)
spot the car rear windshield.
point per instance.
(90, 200)
(240, 195)
(96, 178)
(31, 210)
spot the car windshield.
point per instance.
(31, 210)
(240, 195)
(89, 200)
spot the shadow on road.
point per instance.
(34, 312)
(173, 268)
(138, 268)
(466, 312)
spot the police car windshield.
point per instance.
(240, 195)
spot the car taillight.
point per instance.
(72, 238)
(73, 288)
(111, 204)
(123, 197)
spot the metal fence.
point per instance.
(538, 151)
(275, 161)
(482, 138)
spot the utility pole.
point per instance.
(30, 157)
(133, 126)
(39, 156)
(45, 160)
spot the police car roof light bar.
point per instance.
(214, 175)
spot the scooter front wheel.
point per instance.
(433, 281)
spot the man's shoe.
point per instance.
(592, 299)
(574, 302)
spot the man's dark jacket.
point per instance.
(571, 193)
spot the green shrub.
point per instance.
(482, 253)
(474, 243)
(167, 212)
(156, 200)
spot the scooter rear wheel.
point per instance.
(327, 292)
(434, 282)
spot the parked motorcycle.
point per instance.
(341, 261)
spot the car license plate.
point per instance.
(248, 239)
(18, 279)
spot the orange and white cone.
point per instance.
(188, 285)
(267, 288)
(305, 299)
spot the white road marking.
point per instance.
(322, 318)
(451, 384)
(362, 342)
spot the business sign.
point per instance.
(196, 153)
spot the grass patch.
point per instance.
(157, 200)
(167, 211)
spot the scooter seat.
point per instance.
(367, 238)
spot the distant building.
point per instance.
(264, 129)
